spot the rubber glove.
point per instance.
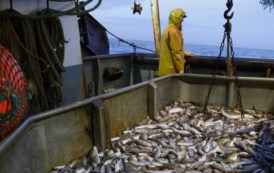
(181, 72)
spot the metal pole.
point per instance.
(47, 5)
(230, 94)
(229, 73)
(156, 24)
(11, 6)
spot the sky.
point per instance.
(252, 26)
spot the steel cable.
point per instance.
(131, 44)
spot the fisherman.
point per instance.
(172, 54)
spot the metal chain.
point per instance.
(215, 72)
(236, 77)
(227, 33)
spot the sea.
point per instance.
(202, 50)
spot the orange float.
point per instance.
(12, 88)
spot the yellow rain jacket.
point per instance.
(172, 54)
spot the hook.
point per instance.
(229, 5)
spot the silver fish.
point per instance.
(119, 166)
(156, 153)
(59, 168)
(172, 143)
(182, 132)
(235, 116)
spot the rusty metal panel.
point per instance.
(106, 122)
(73, 90)
(91, 72)
(49, 142)
(164, 93)
(97, 37)
(127, 109)
(123, 63)
(198, 93)
(98, 124)
(259, 97)
(152, 100)
(254, 91)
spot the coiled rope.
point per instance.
(40, 52)
(50, 34)
(41, 55)
(24, 37)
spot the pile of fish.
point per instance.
(185, 140)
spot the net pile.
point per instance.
(13, 95)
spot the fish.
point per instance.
(89, 170)
(252, 167)
(181, 155)
(203, 167)
(235, 116)
(156, 153)
(143, 136)
(59, 168)
(117, 138)
(143, 143)
(182, 132)
(202, 158)
(208, 170)
(80, 170)
(108, 169)
(147, 126)
(172, 143)
(165, 171)
(108, 161)
(199, 149)
(191, 142)
(119, 166)
(232, 156)
(196, 165)
(247, 130)
(176, 110)
(183, 139)
(138, 163)
(241, 145)
(207, 146)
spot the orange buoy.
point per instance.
(12, 88)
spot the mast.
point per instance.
(156, 24)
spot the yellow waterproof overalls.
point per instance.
(172, 54)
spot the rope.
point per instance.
(50, 35)
(25, 38)
(120, 39)
(131, 44)
(42, 55)
(57, 13)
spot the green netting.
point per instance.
(15, 103)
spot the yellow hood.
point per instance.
(175, 17)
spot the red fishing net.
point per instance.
(12, 88)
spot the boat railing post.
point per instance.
(156, 24)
